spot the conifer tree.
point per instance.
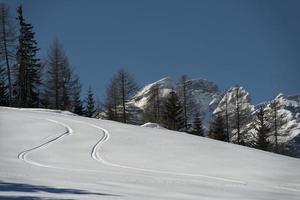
(197, 128)
(90, 104)
(217, 128)
(262, 127)
(7, 44)
(173, 112)
(28, 68)
(77, 103)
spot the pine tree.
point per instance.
(28, 66)
(90, 104)
(262, 127)
(3, 88)
(173, 112)
(7, 44)
(77, 103)
(197, 128)
(217, 128)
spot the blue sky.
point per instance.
(254, 43)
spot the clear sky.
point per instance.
(254, 43)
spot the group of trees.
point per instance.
(236, 122)
(26, 80)
(173, 111)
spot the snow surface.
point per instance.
(49, 155)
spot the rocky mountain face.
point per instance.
(201, 91)
(289, 111)
(290, 129)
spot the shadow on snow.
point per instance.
(20, 187)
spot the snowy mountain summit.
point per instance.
(200, 91)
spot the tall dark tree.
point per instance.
(218, 128)
(173, 112)
(28, 68)
(7, 44)
(90, 104)
(59, 78)
(76, 100)
(262, 127)
(3, 88)
(197, 128)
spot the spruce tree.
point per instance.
(90, 104)
(77, 103)
(217, 128)
(197, 128)
(173, 112)
(28, 68)
(262, 127)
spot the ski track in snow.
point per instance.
(96, 156)
(23, 155)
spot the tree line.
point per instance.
(236, 122)
(26, 80)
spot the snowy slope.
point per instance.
(48, 155)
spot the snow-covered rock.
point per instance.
(152, 125)
(201, 91)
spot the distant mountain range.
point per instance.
(208, 99)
